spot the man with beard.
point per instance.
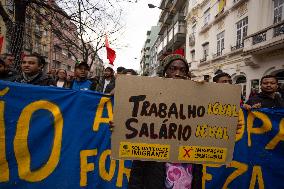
(31, 68)
(107, 84)
(268, 97)
(81, 81)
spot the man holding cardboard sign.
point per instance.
(173, 121)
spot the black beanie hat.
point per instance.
(172, 57)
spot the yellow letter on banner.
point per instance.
(279, 137)
(21, 148)
(4, 168)
(256, 174)
(99, 114)
(241, 169)
(266, 126)
(121, 171)
(206, 176)
(102, 166)
(85, 166)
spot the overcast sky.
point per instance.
(138, 19)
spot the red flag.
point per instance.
(110, 52)
(1, 43)
(179, 51)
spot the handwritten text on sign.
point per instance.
(162, 114)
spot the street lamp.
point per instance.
(151, 6)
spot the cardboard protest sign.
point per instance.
(171, 120)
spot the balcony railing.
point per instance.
(259, 38)
(220, 53)
(238, 46)
(262, 40)
(278, 30)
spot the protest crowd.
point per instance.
(144, 174)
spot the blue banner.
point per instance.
(59, 138)
(258, 156)
(56, 138)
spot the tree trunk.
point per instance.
(17, 30)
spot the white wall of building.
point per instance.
(260, 15)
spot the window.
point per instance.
(192, 53)
(193, 29)
(57, 49)
(69, 55)
(176, 28)
(44, 48)
(45, 32)
(10, 5)
(28, 42)
(37, 46)
(171, 33)
(205, 50)
(192, 36)
(179, 27)
(160, 47)
(242, 30)
(64, 52)
(278, 10)
(220, 43)
(165, 40)
(206, 17)
(57, 64)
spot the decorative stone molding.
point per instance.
(249, 60)
(243, 9)
(221, 25)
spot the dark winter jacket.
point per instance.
(109, 87)
(41, 79)
(266, 101)
(66, 84)
(152, 175)
(8, 76)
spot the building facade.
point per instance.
(172, 34)
(148, 53)
(166, 38)
(244, 38)
(9, 8)
(45, 33)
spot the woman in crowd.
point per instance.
(61, 78)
